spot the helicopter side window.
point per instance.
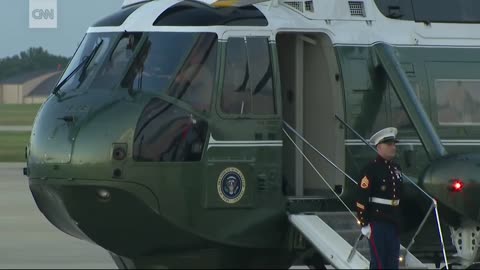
(247, 85)
(457, 102)
(117, 61)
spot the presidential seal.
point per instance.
(231, 185)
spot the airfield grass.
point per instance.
(12, 146)
(18, 114)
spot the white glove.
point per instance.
(367, 231)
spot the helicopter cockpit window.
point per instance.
(180, 65)
(117, 61)
(248, 86)
(235, 97)
(167, 133)
(88, 56)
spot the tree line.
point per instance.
(30, 60)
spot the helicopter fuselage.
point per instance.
(163, 141)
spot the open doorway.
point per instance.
(311, 97)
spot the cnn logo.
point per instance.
(43, 14)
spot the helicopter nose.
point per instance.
(81, 130)
(52, 143)
(455, 183)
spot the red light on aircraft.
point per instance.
(457, 185)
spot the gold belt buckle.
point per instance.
(395, 202)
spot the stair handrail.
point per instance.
(317, 151)
(434, 204)
(315, 169)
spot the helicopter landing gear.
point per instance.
(466, 239)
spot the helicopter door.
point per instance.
(245, 146)
(311, 97)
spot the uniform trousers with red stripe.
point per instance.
(384, 246)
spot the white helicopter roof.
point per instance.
(131, 2)
(356, 22)
(232, 3)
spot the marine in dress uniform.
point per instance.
(378, 202)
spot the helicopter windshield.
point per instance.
(88, 45)
(180, 65)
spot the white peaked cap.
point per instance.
(386, 134)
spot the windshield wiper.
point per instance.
(85, 62)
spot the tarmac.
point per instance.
(28, 240)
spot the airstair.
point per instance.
(335, 234)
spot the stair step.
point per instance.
(351, 236)
(365, 251)
(334, 214)
(304, 204)
(339, 220)
(328, 242)
(345, 226)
